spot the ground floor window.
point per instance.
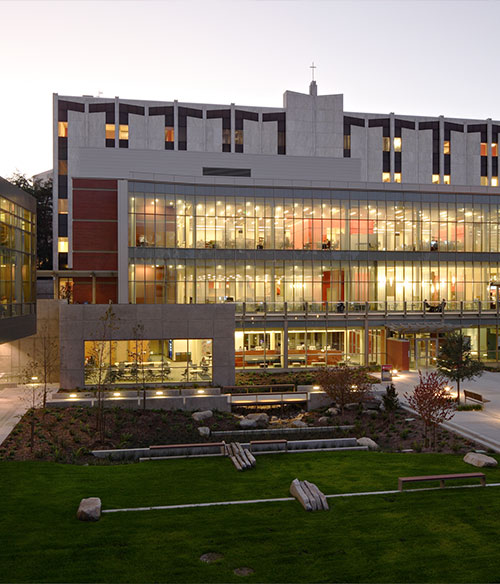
(146, 361)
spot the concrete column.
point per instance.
(392, 134)
(93, 288)
(285, 343)
(233, 126)
(366, 355)
(489, 137)
(123, 242)
(441, 149)
(176, 125)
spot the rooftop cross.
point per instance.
(313, 66)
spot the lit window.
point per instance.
(484, 149)
(347, 142)
(397, 177)
(494, 181)
(122, 132)
(63, 167)
(494, 149)
(62, 206)
(484, 181)
(110, 131)
(62, 245)
(386, 144)
(62, 129)
(226, 136)
(238, 137)
(169, 134)
(446, 147)
(447, 179)
(397, 144)
(435, 179)
(386, 177)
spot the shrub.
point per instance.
(469, 407)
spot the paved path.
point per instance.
(483, 426)
(12, 407)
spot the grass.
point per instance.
(432, 536)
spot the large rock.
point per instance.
(480, 460)
(204, 431)
(200, 416)
(372, 445)
(298, 424)
(372, 404)
(246, 424)
(333, 411)
(323, 420)
(352, 406)
(263, 418)
(89, 509)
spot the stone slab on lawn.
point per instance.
(365, 441)
(89, 509)
(480, 460)
(308, 495)
(200, 416)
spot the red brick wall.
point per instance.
(95, 236)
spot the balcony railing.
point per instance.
(414, 308)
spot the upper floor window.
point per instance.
(397, 177)
(397, 144)
(436, 179)
(494, 149)
(62, 129)
(110, 131)
(446, 147)
(122, 132)
(386, 144)
(484, 149)
(386, 177)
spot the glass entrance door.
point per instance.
(425, 353)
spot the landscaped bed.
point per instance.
(69, 434)
(445, 535)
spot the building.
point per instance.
(333, 236)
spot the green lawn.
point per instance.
(433, 536)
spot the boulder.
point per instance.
(352, 407)
(333, 411)
(243, 571)
(324, 420)
(199, 416)
(204, 431)
(480, 460)
(258, 417)
(246, 424)
(211, 557)
(372, 404)
(372, 445)
(298, 424)
(89, 509)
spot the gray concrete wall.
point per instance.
(80, 322)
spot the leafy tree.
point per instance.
(42, 191)
(431, 402)
(455, 361)
(344, 384)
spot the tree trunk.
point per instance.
(32, 438)
(458, 390)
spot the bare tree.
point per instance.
(432, 403)
(33, 395)
(45, 359)
(99, 363)
(345, 384)
(139, 359)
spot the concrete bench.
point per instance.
(442, 478)
(190, 449)
(477, 397)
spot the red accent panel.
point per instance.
(94, 204)
(94, 183)
(106, 289)
(95, 261)
(95, 236)
(82, 290)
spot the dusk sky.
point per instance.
(420, 58)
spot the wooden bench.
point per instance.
(254, 442)
(474, 397)
(442, 478)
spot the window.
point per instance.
(110, 131)
(62, 129)
(484, 181)
(386, 144)
(347, 142)
(238, 137)
(62, 245)
(494, 149)
(62, 206)
(446, 147)
(494, 181)
(397, 177)
(435, 179)
(484, 149)
(447, 179)
(397, 144)
(226, 136)
(122, 132)
(386, 177)
(63, 167)
(169, 134)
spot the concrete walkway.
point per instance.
(482, 427)
(12, 407)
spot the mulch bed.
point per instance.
(69, 434)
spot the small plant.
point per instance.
(416, 446)
(404, 433)
(469, 407)
(390, 400)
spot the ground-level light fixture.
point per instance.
(159, 393)
(201, 391)
(117, 394)
(72, 395)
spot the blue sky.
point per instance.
(423, 58)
